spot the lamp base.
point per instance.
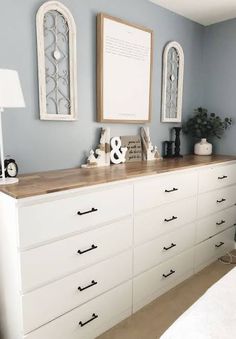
(8, 181)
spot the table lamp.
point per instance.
(10, 96)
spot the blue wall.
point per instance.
(220, 78)
(43, 145)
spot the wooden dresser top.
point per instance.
(54, 181)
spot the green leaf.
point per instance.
(203, 124)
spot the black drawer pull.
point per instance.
(167, 275)
(220, 244)
(93, 283)
(223, 177)
(222, 200)
(171, 219)
(172, 190)
(94, 316)
(93, 247)
(220, 222)
(168, 248)
(87, 212)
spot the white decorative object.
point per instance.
(150, 152)
(56, 45)
(10, 96)
(172, 82)
(203, 147)
(101, 156)
(117, 152)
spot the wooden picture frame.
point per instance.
(135, 106)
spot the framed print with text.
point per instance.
(124, 71)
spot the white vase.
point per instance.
(203, 147)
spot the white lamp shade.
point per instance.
(10, 89)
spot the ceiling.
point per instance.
(205, 12)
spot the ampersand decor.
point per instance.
(117, 152)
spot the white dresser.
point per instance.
(77, 261)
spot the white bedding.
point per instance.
(213, 316)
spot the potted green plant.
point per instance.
(204, 125)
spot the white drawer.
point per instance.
(63, 295)
(46, 263)
(152, 223)
(147, 286)
(215, 201)
(172, 187)
(216, 223)
(91, 319)
(217, 177)
(213, 248)
(152, 253)
(49, 220)
(224, 242)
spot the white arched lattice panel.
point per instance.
(172, 86)
(56, 45)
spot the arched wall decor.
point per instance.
(57, 71)
(172, 86)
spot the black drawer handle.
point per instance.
(93, 283)
(220, 244)
(93, 247)
(172, 190)
(87, 212)
(167, 275)
(94, 316)
(221, 222)
(223, 177)
(171, 219)
(168, 248)
(222, 200)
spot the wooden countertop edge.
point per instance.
(41, 183)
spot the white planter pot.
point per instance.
(203, 147)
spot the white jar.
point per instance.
(203, 147)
